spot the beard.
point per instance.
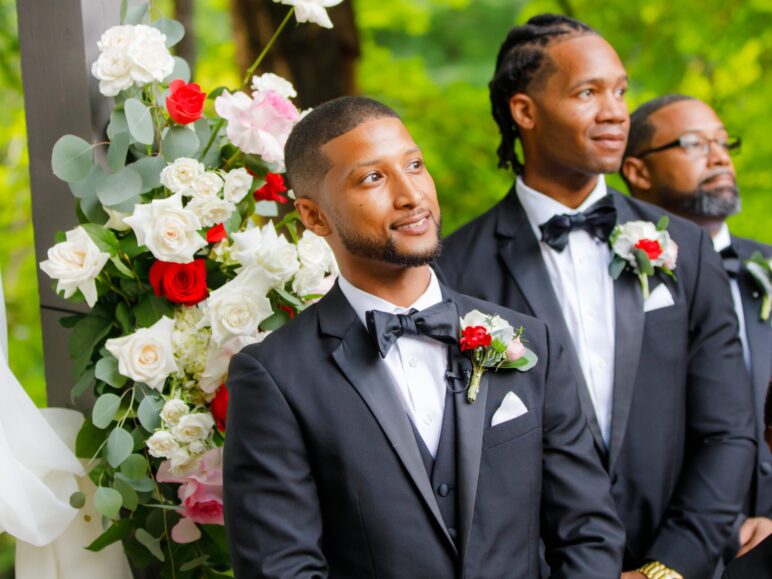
(386, 250)
(717, 202)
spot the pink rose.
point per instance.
(515, 350)
(670, 255)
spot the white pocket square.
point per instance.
(511, 407)
(659, 298)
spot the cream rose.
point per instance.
(193, 427)
(150, 58)
(173, 410)
(113, 69)
(264, 248)
(237, 185)
(274, 82)
(179, 176)
(162, 444)
(207, 185)
(75, 263)
(211, 210)
(314, 252)
(146, 355)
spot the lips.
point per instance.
(720, 179)
(611, 140)
(416, 224)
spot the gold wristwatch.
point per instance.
(656, 570)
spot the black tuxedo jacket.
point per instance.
(682, 434)
(759, 335)
(323, 475)
(756, 564)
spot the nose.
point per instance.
(407, 191)
(718, 156)
(613, 108)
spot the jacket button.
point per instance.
(765, 468)
(443, 490)
(452, 533)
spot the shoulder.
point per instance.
(677, 226)
(746, 247)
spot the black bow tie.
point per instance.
(439, 322)
(731, 261)
(599, 221)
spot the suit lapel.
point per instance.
(522, 256)
(360, 363)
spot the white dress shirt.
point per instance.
(585, 292)
(417, 363)
(721, 241)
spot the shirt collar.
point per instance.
(362, 302)
(722, 240)
(540, 208)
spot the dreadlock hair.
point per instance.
(641, 129)
(522, 61)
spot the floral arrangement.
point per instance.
(643, 247)
(180, 260)
(760, 268)
(491, 343)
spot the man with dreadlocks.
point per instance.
(660, 369)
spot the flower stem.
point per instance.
(232, 159)
(766, 307)
(644, 279)
(474, 384)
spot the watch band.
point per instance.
(656, 570)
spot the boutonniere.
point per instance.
(761, 270)
(643, 248)
(490, 342)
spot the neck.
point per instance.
(713, 225)
(400, 286)
(570, 189)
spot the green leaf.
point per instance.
(128, 494)
(179, 142)
(118, 124)
(663, 222)
(103, 237)
(134, 467)
(524, 363)
(139, 120)
(203, 132)
(150, 309)
(149, 412)
(274, 322)
(116, 532)
(173, 30)
(86, 334)
(89, 439)
(123, 317)
(92, 209)
(181, 70)
(135, 14)
(72, 158)
(760, 275)
(193, 563)
(121, 190)
(85, 382)
(130, 247)
(106, 370)
(77, 500)
(86, 189)
(643, 261)
(616, 267)
(122, 267)
(105, 408)
(289, 298)
(116, 152)
(216, 92)
(149, 168)
(107, 502)
(151, 543)
(143, 485)
(119, 447)
(267, 208)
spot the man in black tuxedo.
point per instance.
(351, 453)
(678, 157)
(662, 380)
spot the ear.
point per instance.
(637, 174)
(312, 216)
(523, 110)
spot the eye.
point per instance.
(371, 178)
(622, 91)
(416, 165)
(585, 94)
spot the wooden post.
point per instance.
(58, 43)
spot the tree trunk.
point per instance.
(183, 12)
(319, 62)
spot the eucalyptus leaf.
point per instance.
(267, 208)
(118, 124)
(119, 447)
(181, 71)
(149, 412)
(216, 92)
(106, 370)
(117, 531)
(761, 276)
(105, 408)
(275, 321)
(89, 439)
(179, 142)
(72, 158)
(108, 502)
(140, 121)
(173, 30)
(149, 168)
(120, 190)
(142, 485)
(663, 222)
(86, 189)
(616, 267)
(93, 210)
(134, 467)
(135, 14)
(151, 543)
(77, 500)
(85, 381)
(644, 263)
(128, 494)
(86, 334)
(193, 563)
(117, 151)
(203, 131)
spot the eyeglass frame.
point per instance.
(732, 144)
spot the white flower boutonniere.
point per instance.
(490, 342)
(760, 268)
(643, 247)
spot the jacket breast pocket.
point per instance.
(675, 313)
(510, 430)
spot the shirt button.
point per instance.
(443, 490)
(580, 260)
(412, 362)
(428, 419)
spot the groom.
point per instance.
(353, 452)
(662, 380)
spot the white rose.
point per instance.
(168, 230)
(151, 60)
(173, 410)
(162, 444)
(119, 37)
(314, 252)
(146, 355)
(211, 210)
(75, 263)
(193, 427)
(116, 220)
(274, 82)
(263, 247)
(670, 254)
(113, 70)
(207, 185)
(180, 175)
(501, 328)
(218, 358)
(180, 460)
(312, 10)
(237, 185)
(630, 234)
(474, 318)
(197, 447)
(238, 307)
(307, 280)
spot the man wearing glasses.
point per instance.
(678, 156)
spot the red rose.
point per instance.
(219, 407)
(181, 283)
(274, 185)
(473, 337)
(216, 233)
(650, 247)
(287, 309)
(185, 101)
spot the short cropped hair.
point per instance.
(641, 128)
(306, 163)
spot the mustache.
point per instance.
(716, 173)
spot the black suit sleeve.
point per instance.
(272, 513)
(581, 532)
(720, 431)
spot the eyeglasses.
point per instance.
(697, 146)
